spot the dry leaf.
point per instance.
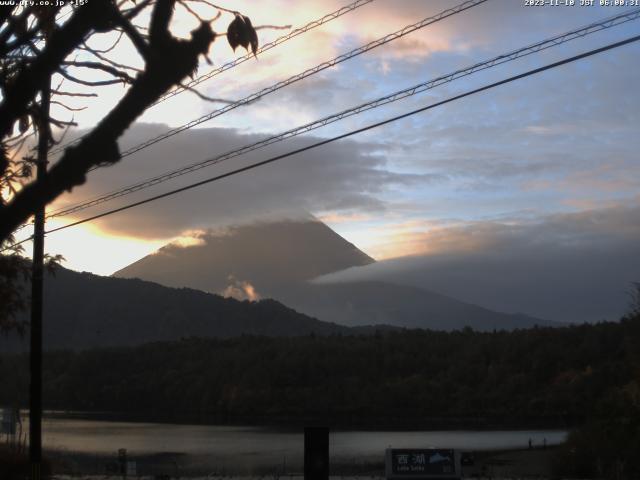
(23, 123)
(241, 33)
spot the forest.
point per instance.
(540, 376)
(584, 377)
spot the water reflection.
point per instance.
(89, 436)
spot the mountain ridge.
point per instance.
(280, 259)
(83, 310)
(277, 253)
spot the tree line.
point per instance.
(550, 376)
(584, 377)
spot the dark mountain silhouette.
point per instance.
(83, 310)
(279, 260)
(380, 303)
(271, 256)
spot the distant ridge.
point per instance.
(382, 303)
(84, 311)
(279, 259)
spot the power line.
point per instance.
(14, 245)
(295, 78)
(255, 96)
(268, 46)
(307, 73)
(333, 139)
(401, 94)
(234, 63)
(355, 132)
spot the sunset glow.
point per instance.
(509, 156)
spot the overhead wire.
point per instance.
(307, 73)
(312, 71)
(266, 47)
(248, 56)
(234, 63)
(302, 75)
(355, 132)
(393, 97)
(14, 245)
(345, 135)
(282, 84)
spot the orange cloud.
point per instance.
(240, 290)
(335, 217)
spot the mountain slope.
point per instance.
(281, 258)
(83, 310)
(271, 256)
(376, 303)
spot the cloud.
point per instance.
(347, 217)
(562, 140)
(567, 267)
(240, 290)
(347, 175)
(190, 238)
(512, 149)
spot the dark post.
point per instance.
(122, 461)
(316, 453)
(35, 393)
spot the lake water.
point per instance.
(263, 445)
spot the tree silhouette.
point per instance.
(41, 42)
(167, 61)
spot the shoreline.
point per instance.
(509, 463)
(503, 463)
(287, 424)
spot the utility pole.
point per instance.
(35, 391)
(316, 453)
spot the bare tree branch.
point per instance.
(67, 107)
(272, 27)
(88, 83)
(190, 11)
(13, 29)
(73, 94)
(133, 12)
(61, 43)
(98, 54)
(174, 60)
(134, 35)
(100, 66)
(222, 9)
(106, 50)
(62, 123)
(203, 96)
(160, 18)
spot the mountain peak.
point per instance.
(279, 258)
(271, 255)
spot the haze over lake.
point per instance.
(263, 446)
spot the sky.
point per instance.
(551, 160)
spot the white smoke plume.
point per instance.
(240, 290)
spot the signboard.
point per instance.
(8, 421)
(131, 468)
(428, 463)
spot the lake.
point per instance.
(226, 446)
